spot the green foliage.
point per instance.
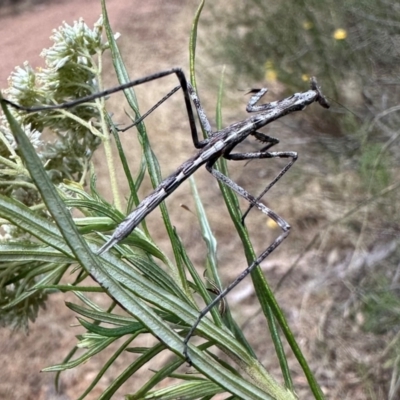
(148, 292)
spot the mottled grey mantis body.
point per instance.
(217, 144)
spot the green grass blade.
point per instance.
(192, 45)
(151, 160)
(125, 166)
(207, 235)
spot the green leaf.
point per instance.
(30, 252)
(101, 316)
(113, 332)
(20, 215)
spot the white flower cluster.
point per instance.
(71, 71)
(69, 65)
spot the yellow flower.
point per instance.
(340, 34)
(305, 78)
(270, 73)
(307, 25)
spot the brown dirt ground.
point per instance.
(155, 37)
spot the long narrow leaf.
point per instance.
(25, 252)
(21, 216)
(151, 161)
